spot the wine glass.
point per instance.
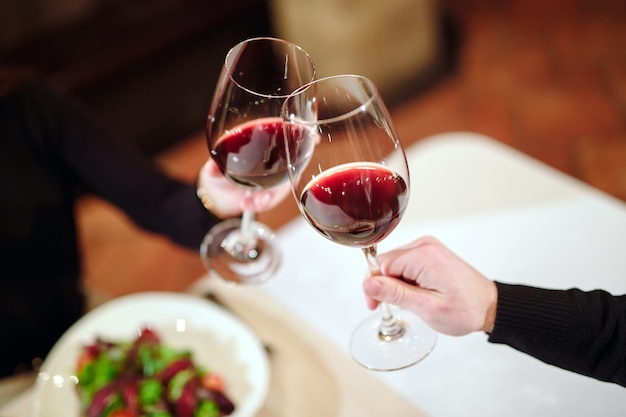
(350, 178)
(245, 138)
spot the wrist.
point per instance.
(492, 307)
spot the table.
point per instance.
(513, 218)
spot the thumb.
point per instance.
(393, 291)
(262, 200)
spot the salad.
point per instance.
(146, 378)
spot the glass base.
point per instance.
(373, 351)
(227, 254)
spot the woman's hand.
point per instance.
(227, 199)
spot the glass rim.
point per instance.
(228, 68)
(372, 94)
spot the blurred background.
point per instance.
(547, 78)
(149, 66)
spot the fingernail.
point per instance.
(373, 288)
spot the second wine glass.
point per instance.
(350, 178)
(245, 138)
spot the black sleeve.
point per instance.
(584, 332)
(118, 172)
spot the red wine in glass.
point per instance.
(351, 180)
(244, 133)
(355, 204)
(253, 153)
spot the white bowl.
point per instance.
(218, 341)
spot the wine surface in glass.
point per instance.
(253, 153)
(355, 204)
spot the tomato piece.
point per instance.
(85, 358)
(213, 382)
(147, 335)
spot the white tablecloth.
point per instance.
(514, 219)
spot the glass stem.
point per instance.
(246, 232)
(241, 243)
(390, 328)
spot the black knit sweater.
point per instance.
(584, 332)
(51, 151)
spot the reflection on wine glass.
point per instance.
(245, 138)
(350, 178)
